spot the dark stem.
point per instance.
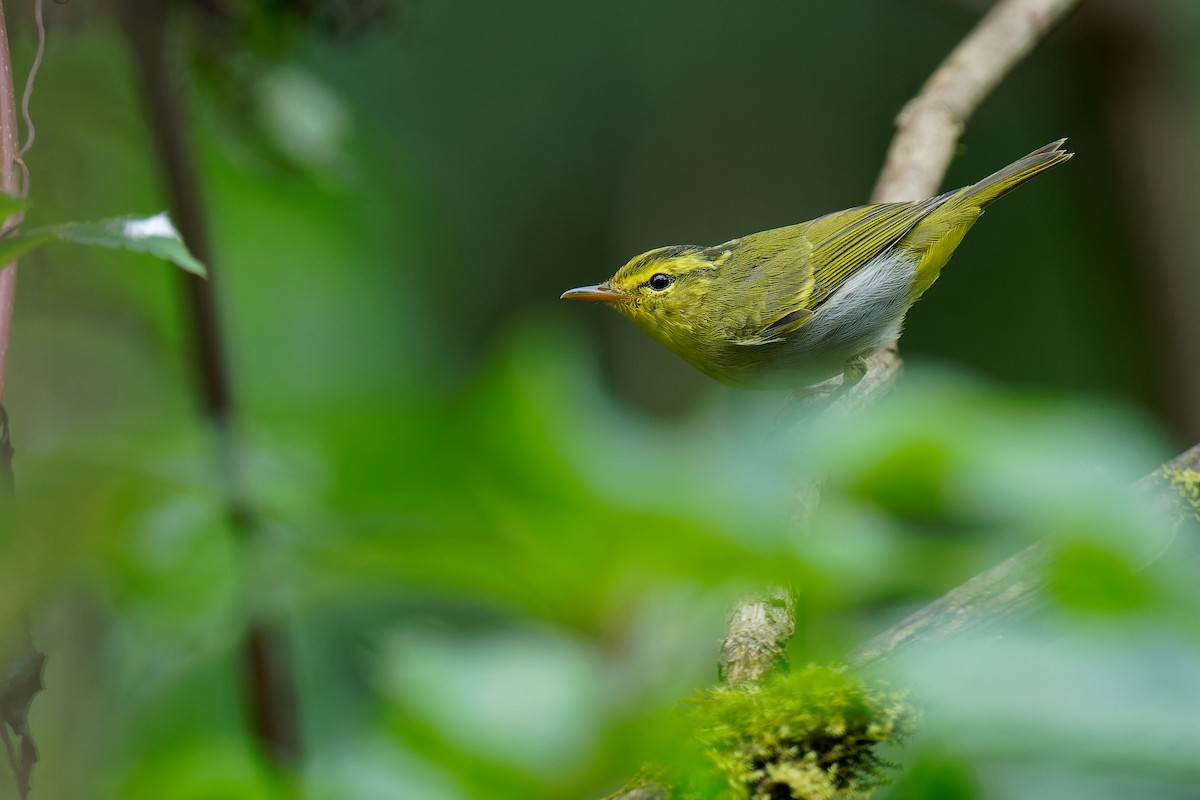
(269, 689)
(7, 481)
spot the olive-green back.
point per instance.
(799, 267)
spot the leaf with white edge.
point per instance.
(154, 235)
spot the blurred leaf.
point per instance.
(525, 699)
(1123, 692)
(912, 478)
(11, 204)
(935, 775)
(1088, 576)
(305, 120)
(155, 236)
(375, 769)
(204, 770)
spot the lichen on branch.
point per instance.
(813, 734)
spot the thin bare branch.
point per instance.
(758, 630)
(928, 128)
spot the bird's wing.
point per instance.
(846, 241)
(820, 257)
(769, 272)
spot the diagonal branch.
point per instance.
(928, 128)
(1013, 587)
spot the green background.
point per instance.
(499, 532)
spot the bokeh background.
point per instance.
(497, 534)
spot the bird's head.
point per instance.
(664, 291)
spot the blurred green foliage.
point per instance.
(501, 536)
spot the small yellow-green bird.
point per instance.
(791, 306)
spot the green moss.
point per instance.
(810, 735)
(1186, 482)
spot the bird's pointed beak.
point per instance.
(601, 291)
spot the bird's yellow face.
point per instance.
(663, 291)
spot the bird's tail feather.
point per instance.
(1000, 183)
(939, 233)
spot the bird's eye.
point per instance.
(659, 281)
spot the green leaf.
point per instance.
(154, 235)
(10, 204)
(18, 244)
